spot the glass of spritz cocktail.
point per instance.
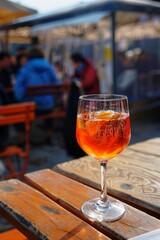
(103, 131)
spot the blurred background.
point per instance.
(130, 65)
(122, 40)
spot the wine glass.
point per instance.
(103, 131)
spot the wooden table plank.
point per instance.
(151, 147)
(37, 217)
(153, 235)
(131, 177)
(72, 194)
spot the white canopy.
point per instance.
(85, 19)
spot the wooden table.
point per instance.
(133, 176)
(48, 205)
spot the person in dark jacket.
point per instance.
(37, 71)
(5, 70)
(4, 130)
(83, 81)
(6, 75)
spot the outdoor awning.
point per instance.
(108, 6)
(10, 11)
(85, 19)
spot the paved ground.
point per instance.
(45, 156)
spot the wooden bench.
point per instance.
(51, 89)
(13, 114)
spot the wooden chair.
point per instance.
(12, 114)
(12, 234)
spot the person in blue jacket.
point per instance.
(37, 71)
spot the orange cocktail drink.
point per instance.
(103, 134)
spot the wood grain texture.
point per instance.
(151, 147)
(132, 177)
(153, 235)
(37, 217)
(12, 235)
(71, 195)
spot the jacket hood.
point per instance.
(38, 64)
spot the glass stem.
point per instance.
(103, 197)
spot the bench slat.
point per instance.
(72, 194)
(37, 217)
(13, 119)
(17, 108)
(12, 235)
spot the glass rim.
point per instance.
(103, 97)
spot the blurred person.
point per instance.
(85, 75)
(143, 66)
(20, 50)
(19, 56)
(83, 81)
(37, 71)
(5, 70)
(13, 60)
(120, 63)
(4, 131)
(126, 78)
(6, 75)
(21, 60)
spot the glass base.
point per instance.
(108, 212)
